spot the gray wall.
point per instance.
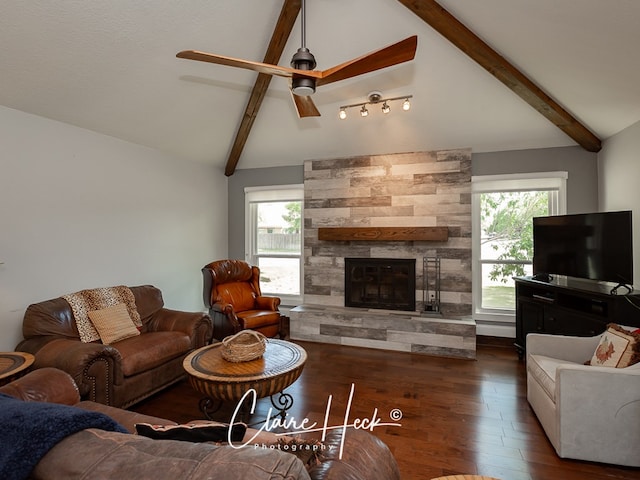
(253, 177)
(619, 174)
(582, 184)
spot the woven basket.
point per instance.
(244, 346)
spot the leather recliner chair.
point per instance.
(232, 294)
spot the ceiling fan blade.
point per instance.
(403, 51)
(237, 62)
(305, 106)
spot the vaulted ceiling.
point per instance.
(111, 67)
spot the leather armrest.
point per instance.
(196, 325)
(267, 303)
(44, 385)
(76, 357)
(226, 311)
(224, 308)
(364, 456)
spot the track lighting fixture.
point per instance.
(373, 99)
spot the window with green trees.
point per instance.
(507, 241)
(503, 233)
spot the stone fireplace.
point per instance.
(383, 283)
(382, 193)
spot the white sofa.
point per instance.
(588, 413)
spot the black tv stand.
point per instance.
(564, 306)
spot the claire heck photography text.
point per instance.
(294, 426)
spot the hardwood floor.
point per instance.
(458, 416)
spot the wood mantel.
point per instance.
(434, 234)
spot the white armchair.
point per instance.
(588, 413)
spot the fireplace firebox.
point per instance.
(384, 283)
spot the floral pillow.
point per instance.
(619, 347)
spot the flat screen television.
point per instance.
(596, 246)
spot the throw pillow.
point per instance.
(618, 348)
(113, 323)
(193, 432)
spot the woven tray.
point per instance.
(244, 346)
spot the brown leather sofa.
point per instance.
(124, 372)
(232, 294)
(99, 454)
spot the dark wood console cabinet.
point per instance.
(569, 307)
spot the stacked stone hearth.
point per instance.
(401, 190)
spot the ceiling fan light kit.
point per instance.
(373, 99)
(303, 59)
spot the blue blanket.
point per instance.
(28, 430)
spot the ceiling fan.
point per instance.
(304, 79)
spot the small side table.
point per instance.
(14, 365)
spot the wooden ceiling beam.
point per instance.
(467, 41)
(281, 33)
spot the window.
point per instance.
(274, 239)
(503, 210)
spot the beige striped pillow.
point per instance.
(113, 323)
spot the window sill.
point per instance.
(507, 317)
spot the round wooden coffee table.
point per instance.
(13, 365)
(222, 381)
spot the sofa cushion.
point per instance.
(618, 347)
(98, 454)
(543, 370)
(113, 323)
(151, 349)
(148, 302)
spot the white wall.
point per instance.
(83, 210)
(619, 178)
